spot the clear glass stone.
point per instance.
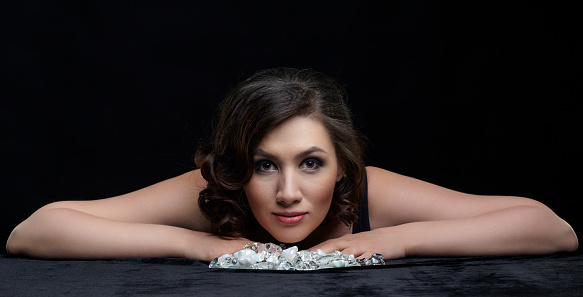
(259, 257)
(213, 263)
(306, 255)
(263, 265)
(290, 253)
(226, 261)
(313, 265)
(364, 262)
(338, 263)
(325, 260)
(274, 257)
(377, 259)
(285, 265)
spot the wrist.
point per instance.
(192, 245)
(406, 239)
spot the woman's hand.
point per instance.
(214, 246)
(365, 244)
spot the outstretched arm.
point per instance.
(162, 220)
(410, 217)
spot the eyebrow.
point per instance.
(313, 149)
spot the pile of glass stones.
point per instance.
(270, 256)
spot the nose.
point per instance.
(288, 188)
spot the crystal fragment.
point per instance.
(276, 257)
(377, 259)
(270, 248)
(285, 265)
(339, 263)
(245, 253)
(225, 261)
(363, 262)
(213, 263)
(306, 256)
(259, 257)
(263, 265)
(313, 265)
(290, 253)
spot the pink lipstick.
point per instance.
(290, 218)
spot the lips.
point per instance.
(290, 218)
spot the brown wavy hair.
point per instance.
(250, 111)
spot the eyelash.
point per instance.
(317, 164)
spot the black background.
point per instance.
(100, 97)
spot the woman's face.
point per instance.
(295, 172)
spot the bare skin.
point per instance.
(408, 217)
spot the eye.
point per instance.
(265, 166)
(311, 164)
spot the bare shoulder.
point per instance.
(170, 202)
(398, 199)
(387, 193)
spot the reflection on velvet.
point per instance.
(558, 274)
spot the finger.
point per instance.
(357, 252)
(331, 245)
(365, 255)
(324, 246)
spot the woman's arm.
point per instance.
(162, 220)
(410, 217)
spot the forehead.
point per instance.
(297, 134)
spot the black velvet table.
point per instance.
(550, 275)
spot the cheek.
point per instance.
(257, 193)
(320, 191)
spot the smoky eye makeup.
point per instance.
(311, 164)
(312, 159)
(265, 166)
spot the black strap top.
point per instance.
(363, 223)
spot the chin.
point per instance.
(289, 238)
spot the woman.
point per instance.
(286, 166)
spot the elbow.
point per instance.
(570, 242)
(24, 238)
(14, 245)
(560, 235)
(21, 242)
(564, 239)
(25, 242)
(548, 232)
